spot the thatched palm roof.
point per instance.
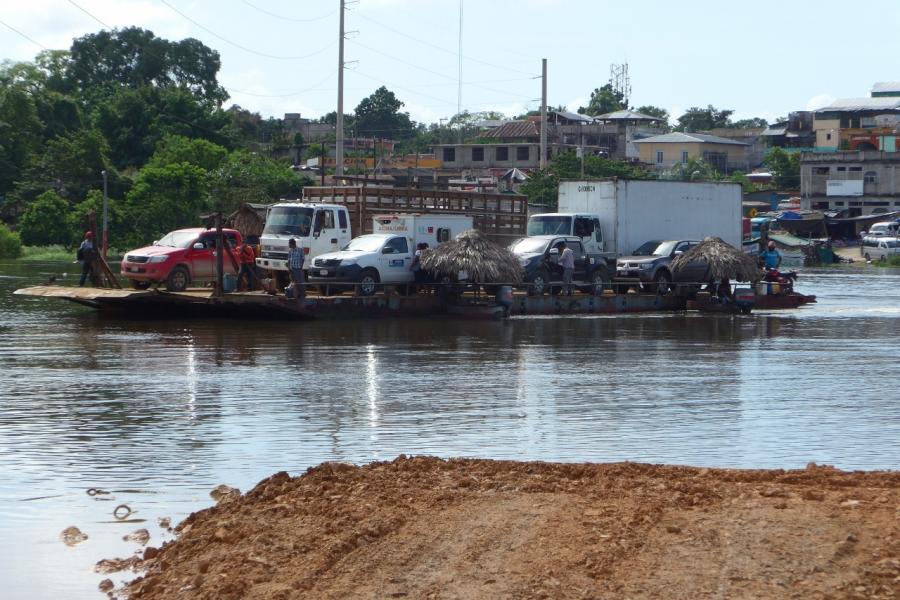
(249, 219)
(725, 261)
(483, 260)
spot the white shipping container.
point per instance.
(632, 212)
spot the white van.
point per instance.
(384, 257)
(880, 248)
(884, 228)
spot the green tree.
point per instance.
(543, 185)
(604, 100)
(785, 168)
(163, 199)
(45, 221)
(702, 119)
(248, 177)
(378, 115)
(655, 111)
(10, 244)
(753, 123)
(20, 135)
(696, 169)
(74, 162)
(78, 218)
(132, 57)
(174, 149)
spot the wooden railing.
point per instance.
(500, 216)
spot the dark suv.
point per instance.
(539, 257)
(649, 266)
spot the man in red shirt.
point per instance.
(248, 266)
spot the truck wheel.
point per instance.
(599, 281)
(140, 285)
(663, 282)
(368, 282)
(539, 283)
(867, 257)
(178, 280)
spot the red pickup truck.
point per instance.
(182, 257)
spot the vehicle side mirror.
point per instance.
(678, 252)
(198, 246)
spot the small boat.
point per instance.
(787, 300)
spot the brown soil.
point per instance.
(428, 528)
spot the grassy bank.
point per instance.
(58, 253)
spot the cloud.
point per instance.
(819, 101)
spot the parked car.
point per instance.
(180, 258)
(884, 229)
(539, 257)
(367, 261)
(880, 248)
(649, 266)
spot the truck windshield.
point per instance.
(549, 225)
(654, 248)
(365, 243)
(529, 246)
(178, 239)
(289, 220)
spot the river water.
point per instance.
(160, 412)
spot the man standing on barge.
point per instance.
(567, 262)
(295, 266)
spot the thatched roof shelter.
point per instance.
(724, 260)
(249, 219)
(483, 260)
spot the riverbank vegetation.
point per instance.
(10, 244)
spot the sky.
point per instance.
(761, 59)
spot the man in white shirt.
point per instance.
(567, 262)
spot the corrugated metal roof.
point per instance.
(854, 104)
(886, 86)
(513, 129)
(688, 138)
(775, 131)
(572, 116)
(626, 115)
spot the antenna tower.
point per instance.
(620, 81)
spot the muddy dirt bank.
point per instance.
(429, 528)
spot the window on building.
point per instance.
(855, 203)
(659, 157)
(820, 170)
(841, 169)
(871, 177)
(502, 153)
(684, 157)
(522, 152)
(855, 169)
(839, 203)
(828, 136)
(477, 154)
(449, 154)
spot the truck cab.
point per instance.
(585, 227)
(366, 261)
(317, 228)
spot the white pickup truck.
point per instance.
(383, 257)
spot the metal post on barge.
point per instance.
(220, 257)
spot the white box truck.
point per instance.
(614, 217)
(385, 255)
(317, 228)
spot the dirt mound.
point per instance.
(429, 528)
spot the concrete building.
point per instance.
(858, 124)
(858, 183)
(666, 151)
(796, 133)
(630, 127)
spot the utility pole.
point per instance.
(339, 129)
(543, 161)
(105, 213)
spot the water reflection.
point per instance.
(176, 407)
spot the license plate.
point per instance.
(324, 272)
(134, 269)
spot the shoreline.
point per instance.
(425, 527)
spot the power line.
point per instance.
(285, 95)
(441, 48)
(85, 11)
(291, 19)
(239, 46)
(14, 30)
(439, 74)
